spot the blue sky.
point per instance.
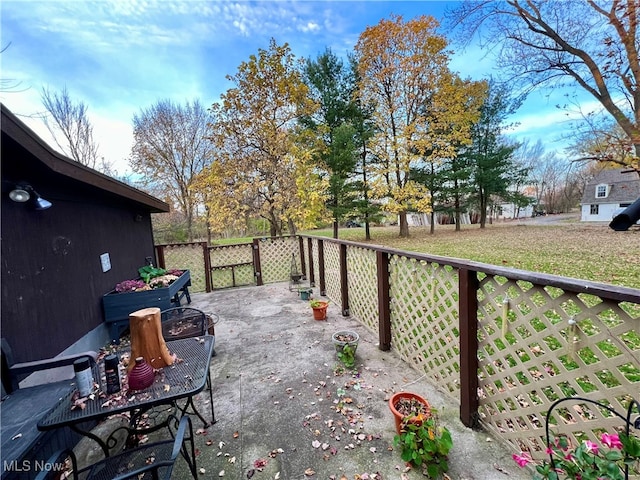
(119, 56)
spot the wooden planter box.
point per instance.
(118, 306)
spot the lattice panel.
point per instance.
(187, 257)
(231, 265)
(275, 258)
(332, 271)
(363, 286)
(424, 319)
(539, 344)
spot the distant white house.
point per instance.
(608, 193)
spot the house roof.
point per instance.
(624, 187)
(52, 164)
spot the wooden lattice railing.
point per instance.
(503, 343)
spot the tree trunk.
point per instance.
(335, 229)
(404, 225)
(432, 228)
(147, 340)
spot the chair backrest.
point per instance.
(183, 322)
(6, 361)
(133, 463)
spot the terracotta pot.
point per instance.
(398, 416)
(320, 313)
(141, 375)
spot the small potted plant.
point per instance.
(305, 293)
(346, 343)
(425, 445)
(319, 309)
(408, 406)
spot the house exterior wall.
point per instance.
(52, 280)
(608, 192)
(605, 212)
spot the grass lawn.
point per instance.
(566, 247)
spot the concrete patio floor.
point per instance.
(276, 390)
(275, 394)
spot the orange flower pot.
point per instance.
(320, 312)
(416, 418)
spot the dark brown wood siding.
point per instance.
(52, 279)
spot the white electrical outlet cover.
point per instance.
(106, 262)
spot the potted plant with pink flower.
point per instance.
(613, 457)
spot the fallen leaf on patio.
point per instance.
(372, 449)
(149, 460)
(203, 471)
(236, 434)
(209, 442)
(343, 478)
(309, 472)
(260, 464)
(500, 469)
(220, 473)
(250, 473)
(325, 446)
(315, 444)
(232, 460)
(221, 444)
(16, 436)
(277, 476)
(201, 431)
(167, 387)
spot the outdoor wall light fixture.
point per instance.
(23, 193)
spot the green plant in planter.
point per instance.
(317, 303)
(148, 272)
(425, 445)
(347, 356)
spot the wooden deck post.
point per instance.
(303, 265)
(312, 273)
(207, 266)
(257, 266)
(384, 301)
(160, 256)
(344, 281)
(468, 315)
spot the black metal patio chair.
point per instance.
(186, 322)
(22, 406)
(151, 461)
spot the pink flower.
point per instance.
(611, 441)
(522, 460)
(591, 447)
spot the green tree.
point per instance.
(170, 150)
(332, 87)
(490, 154)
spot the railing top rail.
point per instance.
(575, 285)
(228, 245)
(178, 244)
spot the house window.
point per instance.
(594, 209)
(625, 205)
(602, 191)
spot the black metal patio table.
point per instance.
(181, 381)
